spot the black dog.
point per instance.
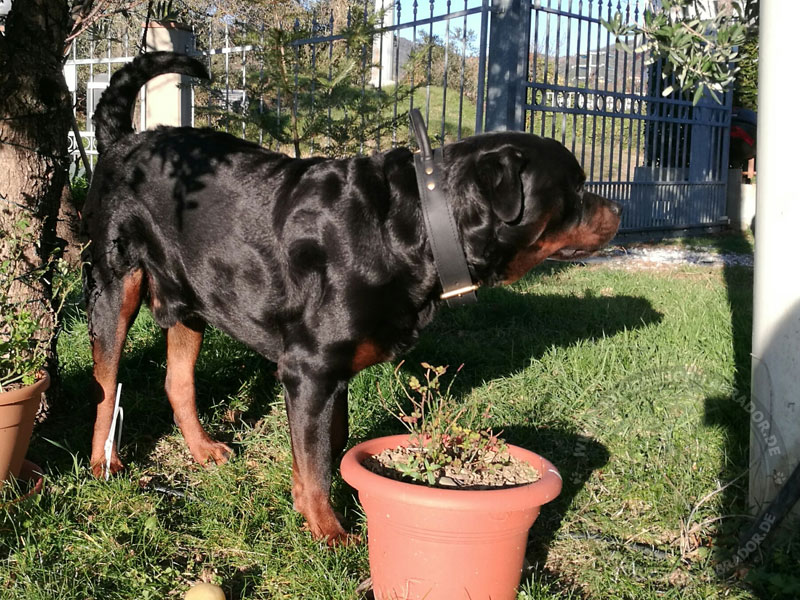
(323, 266)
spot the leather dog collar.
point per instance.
(448, 255)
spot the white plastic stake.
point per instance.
(109, 445)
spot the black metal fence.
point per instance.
(321, 85)
(665, 159)
(342, 84)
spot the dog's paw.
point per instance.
(99, 465)
(326, 525)
(343, 539)
(333, 535)
(210, 453)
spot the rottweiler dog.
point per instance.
(322, 265)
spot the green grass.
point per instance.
(434, 104)
(623, 379)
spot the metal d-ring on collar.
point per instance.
(457, 285)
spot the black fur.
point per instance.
(321, 265)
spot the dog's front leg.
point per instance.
(317, 409)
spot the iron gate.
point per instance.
(663, 158)
(547, 66)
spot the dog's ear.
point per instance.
(499, 178)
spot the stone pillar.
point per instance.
(741, 201)
(168, 97)
(509, 49)
(383, 47)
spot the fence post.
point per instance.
(508, 65)
(168, 97)
(700, 156)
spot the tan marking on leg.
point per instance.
(183, 347)
(106, 367)
(311, 501)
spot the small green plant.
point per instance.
(26, 334)
(443, 452)
(165, 12)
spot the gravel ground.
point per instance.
(659, 256)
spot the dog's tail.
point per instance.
(112, 118)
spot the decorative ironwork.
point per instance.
(662, 157)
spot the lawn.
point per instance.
(625, 379)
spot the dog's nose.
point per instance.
(615, 207)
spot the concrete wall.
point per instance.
(741, 201)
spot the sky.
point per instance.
(550, 26)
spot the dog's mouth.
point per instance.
(571, 253)
(593, 235)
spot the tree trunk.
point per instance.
(34, 121)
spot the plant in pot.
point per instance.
(448, 507)
(25, 342)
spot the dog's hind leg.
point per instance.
(183, 346)
(112, 309)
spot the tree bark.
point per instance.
(34, 121)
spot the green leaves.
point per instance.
(25, 333)
(622, 31)
(703, 53)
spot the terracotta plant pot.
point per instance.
(442, 544)
(17, 413)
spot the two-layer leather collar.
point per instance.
(457, 285)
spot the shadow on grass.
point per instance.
(576, 457)
(505, 331)
(237, 587)
(224, 369)
(495, 338)
(729, 413)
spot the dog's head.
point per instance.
(519, 199)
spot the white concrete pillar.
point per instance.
(775, 394)
(168, 97)
(383, 47)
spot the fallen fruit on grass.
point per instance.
(205, 591)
